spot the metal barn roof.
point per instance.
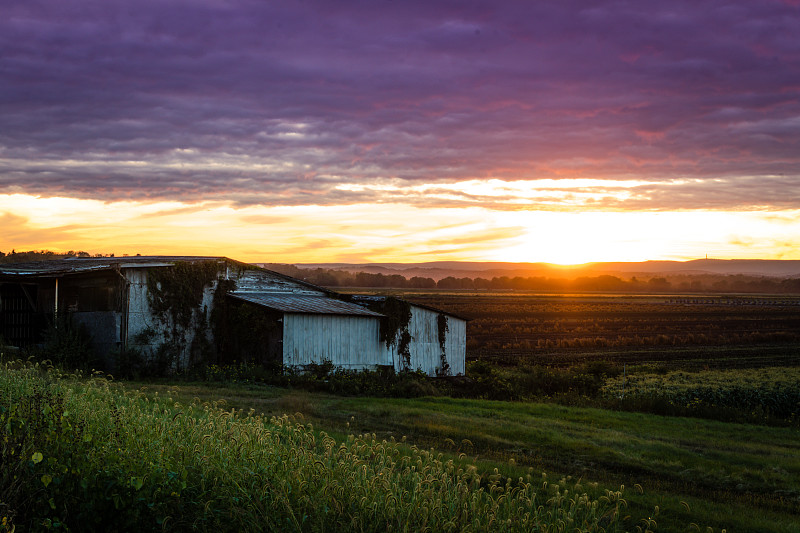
(76, 265)
(83, 265)
(290, 303)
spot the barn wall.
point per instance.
(425, 350)
(349, 342)
(456, 345)
(140, 318)
(147, 332)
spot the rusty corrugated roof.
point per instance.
(317, 305)
(76, 265)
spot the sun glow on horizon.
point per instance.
(392, 232)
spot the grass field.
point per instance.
(89, 455)
(734, 476)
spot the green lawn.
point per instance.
(723, 475)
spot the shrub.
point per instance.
(766, 395)
(67, 345)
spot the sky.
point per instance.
(402, 131)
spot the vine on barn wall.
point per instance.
(443, 328)
(175, 295)
(176, 292)
(404, 348)
(220, 314)
(394, 325)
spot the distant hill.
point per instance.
(442, 269)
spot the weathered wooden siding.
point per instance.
(140, 318)
(456, 345)
(425, 350)
(424, 330)
(350, 342)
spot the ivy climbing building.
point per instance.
(171, 313)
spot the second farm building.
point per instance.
(182, 311)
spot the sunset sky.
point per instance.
(402, 131)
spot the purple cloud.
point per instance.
(279, 103)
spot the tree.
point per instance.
(418, 282)
(659, 284)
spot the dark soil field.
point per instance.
(674, 331)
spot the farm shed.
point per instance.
(175, 312)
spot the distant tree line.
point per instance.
(341, 278)
(43, 255)
(604, 283)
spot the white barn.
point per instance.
(187, 310)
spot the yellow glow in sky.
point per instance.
(572, 238)
(391, 232)
(553, 194)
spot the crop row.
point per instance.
(539, 324)
(569, 342)
(762, 393)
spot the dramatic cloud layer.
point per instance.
(667, 105)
